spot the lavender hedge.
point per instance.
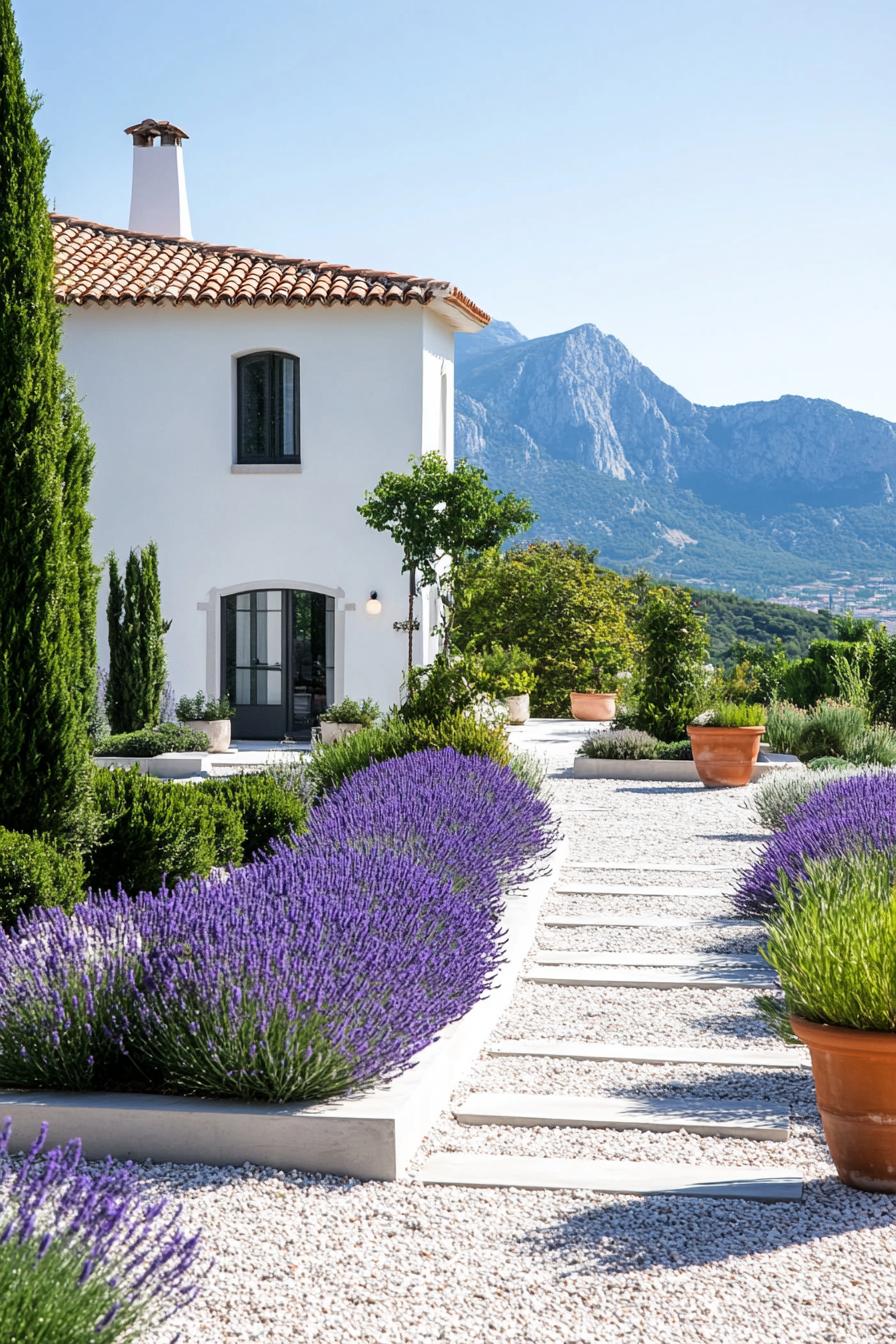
(298, 978)
(852, 814)
(81, 1255)
(466, 818)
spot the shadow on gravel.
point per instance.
(750, 836)
(654, 789)
(747, 1026)
(673, 1232)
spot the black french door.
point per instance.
(278, 661)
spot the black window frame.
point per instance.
(273, 423)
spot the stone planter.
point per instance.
(335, 732)
(592, 707)
(855, 1086)
(517, 707)
(725, 757)
(216, 730)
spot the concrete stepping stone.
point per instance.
(611, 1178)
(574, 957)
(654, 867)
(599, 919)
(704, 1115)
(617, 889)
(708, 978)
(550, 1048)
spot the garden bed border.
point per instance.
(372, 1136)
(671, 772)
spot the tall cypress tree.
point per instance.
(136, 642)
(77, 474)
(43, 734)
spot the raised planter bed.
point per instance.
(168, 764)
(672, 772)
(373, 1135)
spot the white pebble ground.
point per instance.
(330, 1261)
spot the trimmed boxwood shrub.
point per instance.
(267, 810)
(156, 828)
(330, 765)
(153, 741)
(33, 873)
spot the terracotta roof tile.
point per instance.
(96, 263)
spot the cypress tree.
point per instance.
(136, 642)
(77, 475)
(43, 733)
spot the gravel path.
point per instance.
(305, 1258)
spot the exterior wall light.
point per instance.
(373, 606)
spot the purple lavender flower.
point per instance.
(464, 817)
(850, 814)
(81, 1255)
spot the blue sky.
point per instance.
(710, 180)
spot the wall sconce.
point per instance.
(373, 606)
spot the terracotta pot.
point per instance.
(855, 1086)
(335, 732)
(592, 707)
(216, 730)
(517, 707)
(725, 757)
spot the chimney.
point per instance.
(158, 189)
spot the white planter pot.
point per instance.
(517, 708)
(216, 730)
(335, 732)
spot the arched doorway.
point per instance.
(278, 653)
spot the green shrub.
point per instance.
(33, 873)
(730, 714)
(832, 940)
(882, 681)
(153, 741)
(504, 672)
(531, 769)
(784, 727)
(445, 687)
(365, 712)
(832, 729)
(675, 751)
(829, 665)
(876, 746)
(625, 744)
(669, 683)
(266, 809)
(828, 763)
(330, 765)
(553, 602)
(198, 708)
(152, 828)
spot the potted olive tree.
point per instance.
(725, 743)
(831, 939)
(509, 674)
(348, 717)
(209, 717)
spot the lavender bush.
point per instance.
(81, 1256)
(300, 977)
(465, 818)
(853, 814)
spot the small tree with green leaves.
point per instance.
(136, 642)
(441, 519)
(553, 602)
(670, 680)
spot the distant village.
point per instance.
(874, 596)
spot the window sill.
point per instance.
(264, 468)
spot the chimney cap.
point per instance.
(144, 132)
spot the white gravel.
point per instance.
(305, 1258)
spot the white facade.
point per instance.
(158, 387)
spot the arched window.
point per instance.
(267, 407)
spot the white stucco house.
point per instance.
(241, 403)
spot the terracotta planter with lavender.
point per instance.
(592, 706)
(855, 1086)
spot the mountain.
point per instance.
(756, 495)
